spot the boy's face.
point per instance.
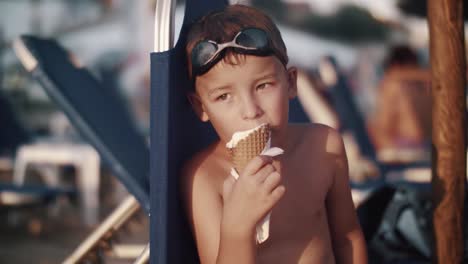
(238, 97)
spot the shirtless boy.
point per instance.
(238, 86)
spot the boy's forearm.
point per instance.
(236, 248)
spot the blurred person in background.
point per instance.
(318, 105)
(402, 118)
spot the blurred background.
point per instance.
(363, 69)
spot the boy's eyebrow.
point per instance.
(266, 76)
(211, 91)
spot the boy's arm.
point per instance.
(348, 241)
(204, 209)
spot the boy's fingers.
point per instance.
(272, 181)
(276, 194)
(256, 164)
(263, 173)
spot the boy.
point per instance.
(237, 62)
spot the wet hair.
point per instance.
(221, 26)
(401, 55)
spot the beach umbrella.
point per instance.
(176, 134)
(448, 73)
(349, 24)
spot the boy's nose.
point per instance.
(250, 109)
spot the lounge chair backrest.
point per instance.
(297, 113)
(94, 110)
(176, 134)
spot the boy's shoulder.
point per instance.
(205, 166)
(317, 134)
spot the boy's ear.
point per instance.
(292, 82)
(197, 105)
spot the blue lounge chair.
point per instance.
(98, 115)
(176, 134)
(95, 111)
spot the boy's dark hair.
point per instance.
(222, 26)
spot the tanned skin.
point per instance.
(307, 188)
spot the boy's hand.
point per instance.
(249, 198)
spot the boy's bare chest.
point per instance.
(303, 205)
(298, 225)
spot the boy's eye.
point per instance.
(263, 86)
(222, 97)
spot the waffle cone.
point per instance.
(250, 147)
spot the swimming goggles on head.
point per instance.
(207, 53)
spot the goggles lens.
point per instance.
(207, 53)
(252, 38)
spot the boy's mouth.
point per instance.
(241, 135)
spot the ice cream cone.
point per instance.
(247, 145)
(243, 147)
